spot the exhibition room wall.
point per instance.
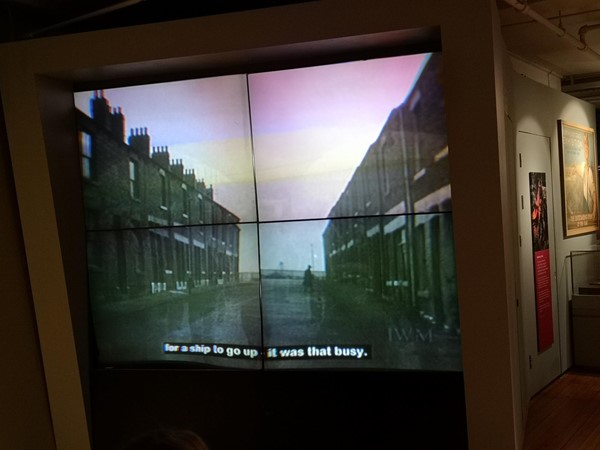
(36, 81)
(537, 109)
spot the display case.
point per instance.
(585, 272)
(585, 307)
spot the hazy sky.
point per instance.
(311, 128)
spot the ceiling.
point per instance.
(25, 19)
(525, 38)
(529, 40)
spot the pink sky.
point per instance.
(183, 112)
(312, 127)
(351, 93)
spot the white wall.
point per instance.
(536, 72)
(537, 109)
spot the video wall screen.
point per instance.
(293, 219)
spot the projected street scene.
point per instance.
(155, 279)
(291, 219)
(371, 283)
(363, 301)
(186, 159)
(313, 127)
(154, 286)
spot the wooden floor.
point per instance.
(566, 414)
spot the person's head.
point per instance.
(167, 440)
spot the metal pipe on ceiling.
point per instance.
(559, 31)
(584, 29)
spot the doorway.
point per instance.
(540, 342)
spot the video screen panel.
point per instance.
(203, 317)
(290, 219)
(176, 153)
(349, 307)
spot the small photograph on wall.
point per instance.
(541, 260)
(539, 211)
(578, 178)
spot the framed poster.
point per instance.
(579, 183)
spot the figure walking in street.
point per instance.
(308, 280)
